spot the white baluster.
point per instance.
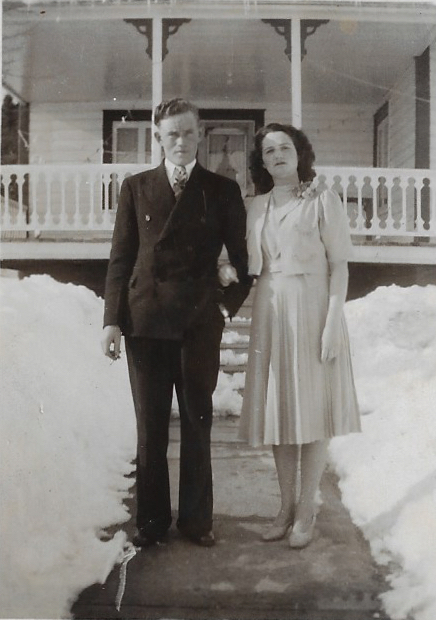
(419, 226)
(375, 217)
(92, 219)
(50, 219)
(389, 218)
(35, 218)
(21, 219)
(403, 220)
(63, 215)
(76, 211)
(410, 205)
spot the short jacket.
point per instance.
(313, 232)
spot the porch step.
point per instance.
(234, 343)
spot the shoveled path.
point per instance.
(242, 578)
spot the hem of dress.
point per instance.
(297, 443)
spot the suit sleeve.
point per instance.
(122, 257)
(235, 242)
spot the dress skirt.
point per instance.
(290, 396)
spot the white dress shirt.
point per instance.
(170, 168)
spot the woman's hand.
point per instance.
(330, 342)
(227, 274)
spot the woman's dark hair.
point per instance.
(261, 177)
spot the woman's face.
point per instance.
(280, 157)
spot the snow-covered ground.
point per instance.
(68, 439)
(388, 473)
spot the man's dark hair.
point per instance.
(261, 177)
(173, 107)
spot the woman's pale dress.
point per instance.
(290, 396)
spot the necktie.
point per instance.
(180, 178)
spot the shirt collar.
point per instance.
(170, 168)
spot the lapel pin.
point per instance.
(147, 218)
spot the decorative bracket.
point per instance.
(145, 27)
(283, 28)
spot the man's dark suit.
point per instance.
(163, 291)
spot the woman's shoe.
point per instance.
(299, 538)
(276, 532)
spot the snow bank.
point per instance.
(388, 473)
(68, 438)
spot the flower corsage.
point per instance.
(305, 189)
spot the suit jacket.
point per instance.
(162, 272)
(313, 232)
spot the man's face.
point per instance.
(179, 136)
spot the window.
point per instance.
(127, 136)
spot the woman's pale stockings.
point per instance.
(311, 460)
(286, 460)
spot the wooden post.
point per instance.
(1, 67)
(297, 116)
(157, 81)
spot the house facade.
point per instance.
(359, 79)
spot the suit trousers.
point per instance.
(190, 365)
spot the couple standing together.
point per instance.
(167, 296)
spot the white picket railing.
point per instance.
(387, 203)
(383, 203)
(61, 198)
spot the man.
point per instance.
(164, 295)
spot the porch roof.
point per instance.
(381, 10)
(246, 61)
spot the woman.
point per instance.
(299, 389)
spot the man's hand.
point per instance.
(227, 274)
(111, 341)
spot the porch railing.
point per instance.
(61, 198)
(381, 203)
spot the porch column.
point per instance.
(297, 117)
(1, 63)
(156, 80)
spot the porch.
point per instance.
(68, 211)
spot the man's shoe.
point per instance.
(141, 539)
(206, 540)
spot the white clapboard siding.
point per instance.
(65, 133)
(340, 134)
(402, 119)
(433, 105)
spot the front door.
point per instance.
(225, 150)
